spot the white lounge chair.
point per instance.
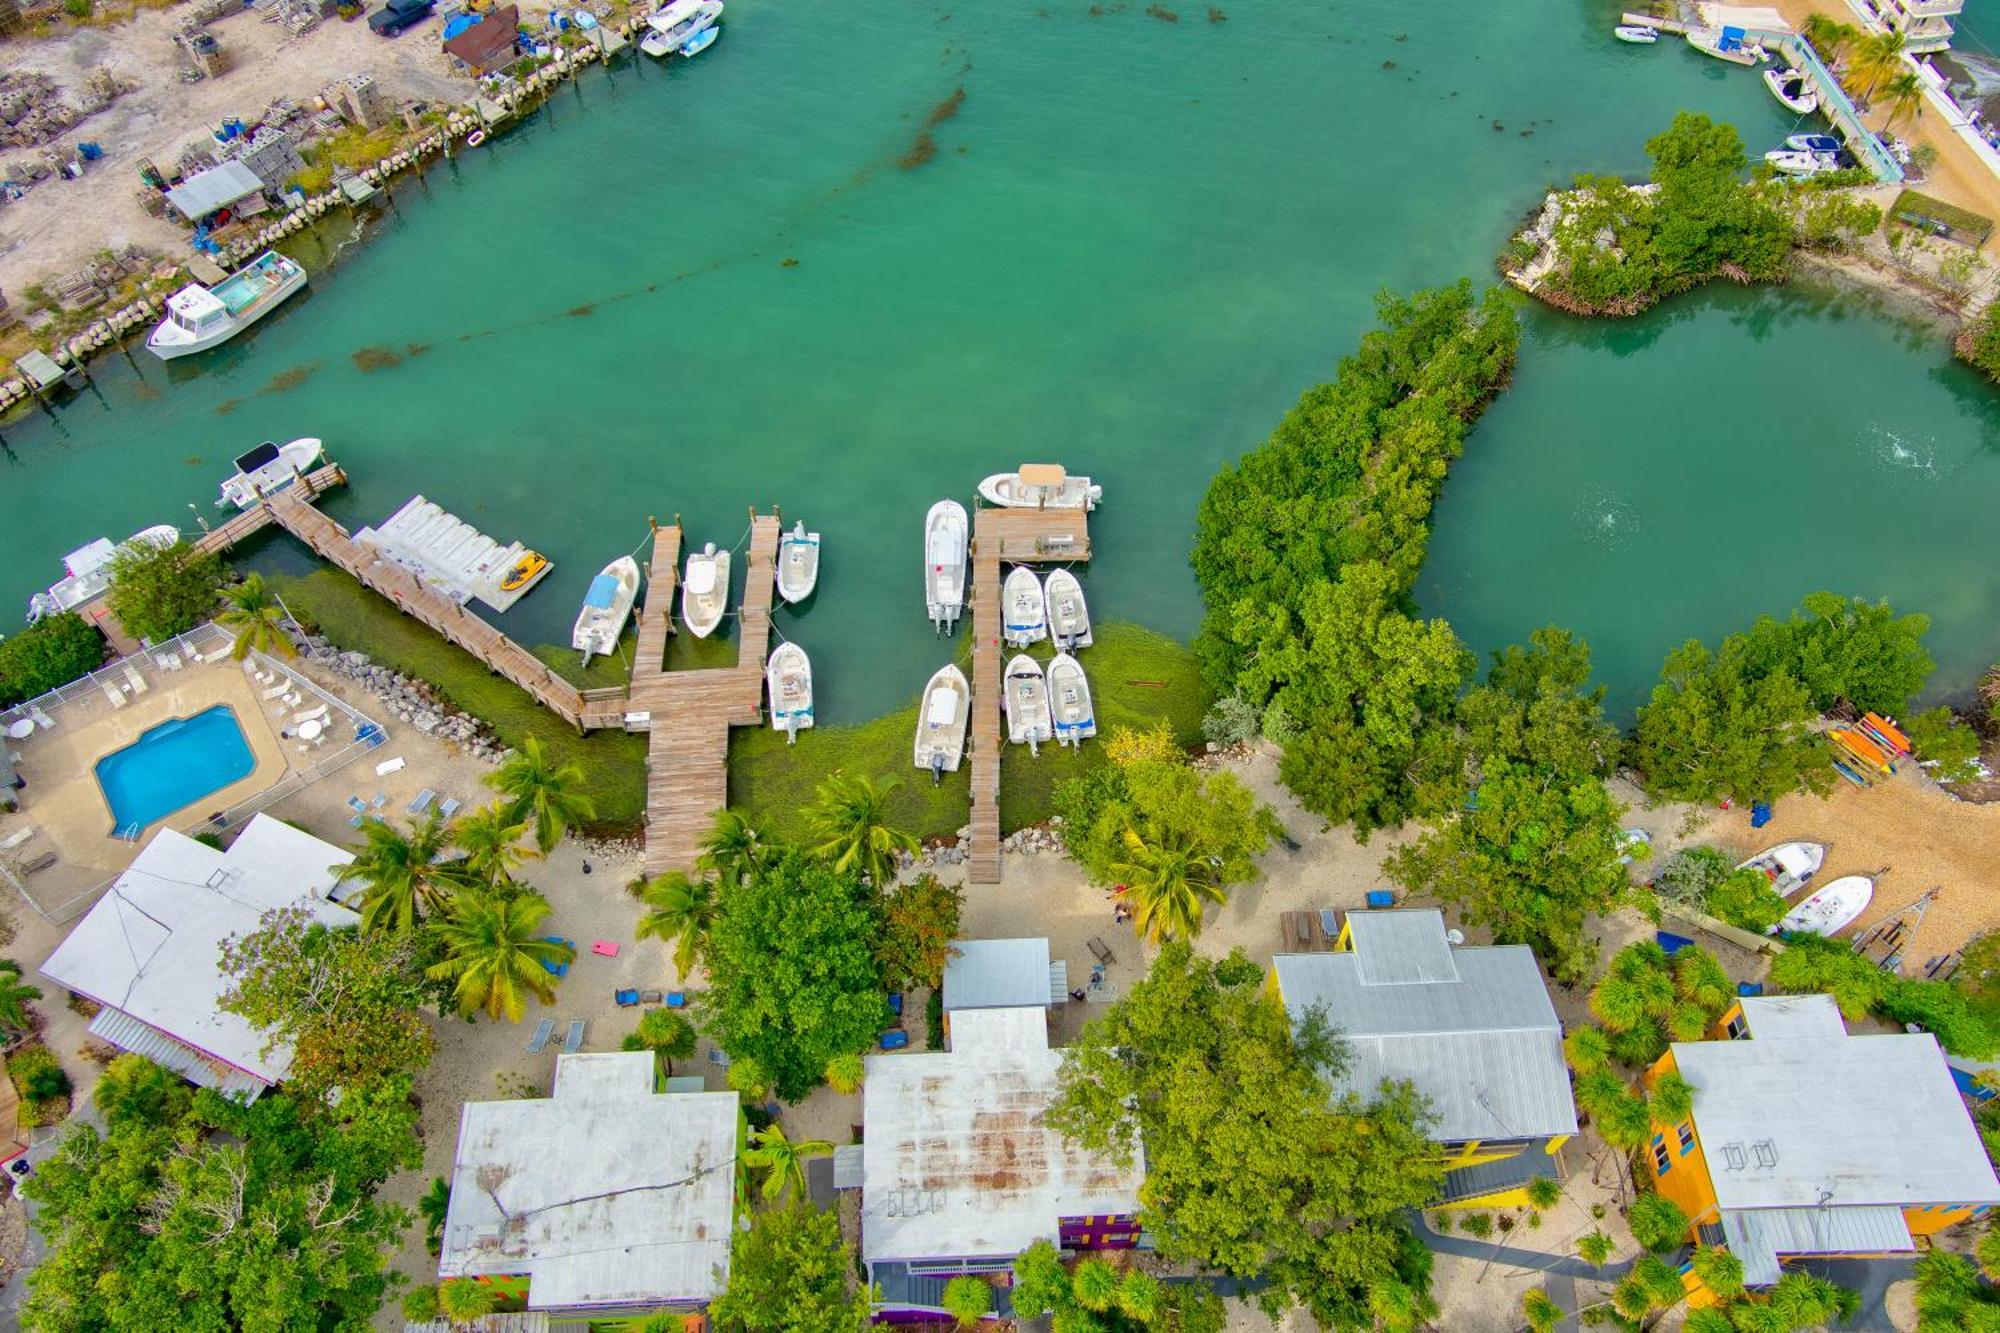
(543, 1031)
(422, 803)
(42, 720)
(114, 694)
(388, 766)
(310, 714)
(275, 690)
(134, 679)
(573, 1039)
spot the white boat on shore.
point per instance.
(199, 317)
(87, 571)
(1069, 701)
(798, 563)
(1023, 613)
(1792, 89)
(1788, 865)
(1040, 486)
(606, 607)
(267, 468)
(1069, 614)
(1726, 44)
(1027, 702)
(676, 23)
(946, 533)
(941, 719)
(1636, 33)
(1830, 909)
(705, 590)
(789, 678)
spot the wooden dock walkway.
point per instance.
(225, 535)
(1022, 536)
(689, 713)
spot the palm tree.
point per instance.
(490, 837)
(732, 851)
(1903, 95)
(681, 909)
(14, 997)
(844, 1073)
(1828, 37)
(464, 1301)
(434, 1206)
(1167, 885)
(849, 818)
(494, 955)
(1877, 57)
(253, 612)
(782, 1161)
(668, 1035)
(548, 795)
(747, 1077)
(968, 1300)
(404, 874)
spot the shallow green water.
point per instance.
(1137, 240)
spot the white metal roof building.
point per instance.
(1471, 1028)
(959, 1168)
(218, 187)
(1816, 1140)
(999, 974)
(610, 1197)
(149, 950)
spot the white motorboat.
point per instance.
(1069, 701)
(87, 571)
(606, 607)
(1637, 33)
(1793, 89)
(1027, 701)
(1069, 615)
(798, 563)
(1790, 162)
(1726, 44)
(199, 317)
(941, 719)
(1830, 909)
(946, 531)
(1023, 613)
(789, 677)
(1040, 486)
(1813, 143)
(1788, 865)
(677, 22)
(705, 590)
(268, 468)
(700, 42)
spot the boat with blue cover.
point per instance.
(606, 607)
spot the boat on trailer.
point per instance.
(1792, 89)
(1069, 615)
(705, 590)
(798, 563)
(87, 570)
(1022, 609)
(941, 719)
(1069, 701)
(788, 676)
(1788, 865)
(199, 317)
(946, 532)
(607, 605)
(1830, 909)
(1026, 697)
(1040, 486)
(267, 468)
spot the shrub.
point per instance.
(51, 652)
(1746, 900)
(1940, 738)
(1477, 1224)
(38, 1076)
(1657, 1222)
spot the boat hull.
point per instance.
(1636, 35)
(797, 573)
(292, 458)
(598, 627)
(788, 681)
(168, 340)
(946, 534)
(1023, 611)
(1006, 490)
(1830, 909)
(1070, 710)
(941, 722)
(1027, 703)
(1789, 865)
(1068, 612)
(702, 611)
(1803, 103)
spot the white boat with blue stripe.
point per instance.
(789, 677)
(606, 608)
(1023, 608)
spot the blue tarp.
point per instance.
(1730, 40)
(1671, 942)
(602, 589)
(459, 25)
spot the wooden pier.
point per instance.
(688, 714)
(1022, 536)
(311, 486)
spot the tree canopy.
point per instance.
(1202, 1062)
(160, 591)
(53, 651)
(790, 1270)
(919, 923)
(1812, 963)
(1098, 1297)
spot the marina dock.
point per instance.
(242, 526)
(1019, 536)
(449, 554)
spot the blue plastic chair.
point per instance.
(1381, 898)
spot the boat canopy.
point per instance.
(89, 559)
(1730, 39)
(1793, 858)
(1042, 474)
(194, 304)
(602, 589)
(943, 708)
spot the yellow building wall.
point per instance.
(1926, 1222)
(1687, 1181)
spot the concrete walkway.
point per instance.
(1556, 1265)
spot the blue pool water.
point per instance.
(172, 766)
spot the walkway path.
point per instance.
(311, 486)
(1557, 1265)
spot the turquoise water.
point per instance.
(172, 766)
(1135, 242)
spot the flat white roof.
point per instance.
(996, 974)
(152, 945)
(606, 1194)
(958, 1161)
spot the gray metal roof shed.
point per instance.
(997, 974)
(218, 187)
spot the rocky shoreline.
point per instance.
(409, 701)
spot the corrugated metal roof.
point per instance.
(1486, 1048)
(997, 974)
(1759, 1236)
(1058, 981)
(203, 193)
(129, 1034)
(1770, 1016)
(1401, 948)
(1801, 1121)
(530, 1321)
(847, 1166)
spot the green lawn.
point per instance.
(354, 618)
(1137, 677)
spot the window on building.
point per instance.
(1737, 1028)
(1661, 1162)
(1686, 1132)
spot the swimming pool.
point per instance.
(172, 766)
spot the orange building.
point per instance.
(1808, 1140)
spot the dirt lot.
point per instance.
(69, 221)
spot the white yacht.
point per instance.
(1069, 701)
(199, 317)
(1040, 486)
(1022, 610)
(705, 590)
(87, 571)
(606, 607)
(1027, 701)
(788, 675)
(941, 719)
(676, 23)
(1729, 44)
(798, 563)
(1792, 89)
(267, 468)
(946, 531)
(1069, 616)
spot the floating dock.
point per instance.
(450, 555)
